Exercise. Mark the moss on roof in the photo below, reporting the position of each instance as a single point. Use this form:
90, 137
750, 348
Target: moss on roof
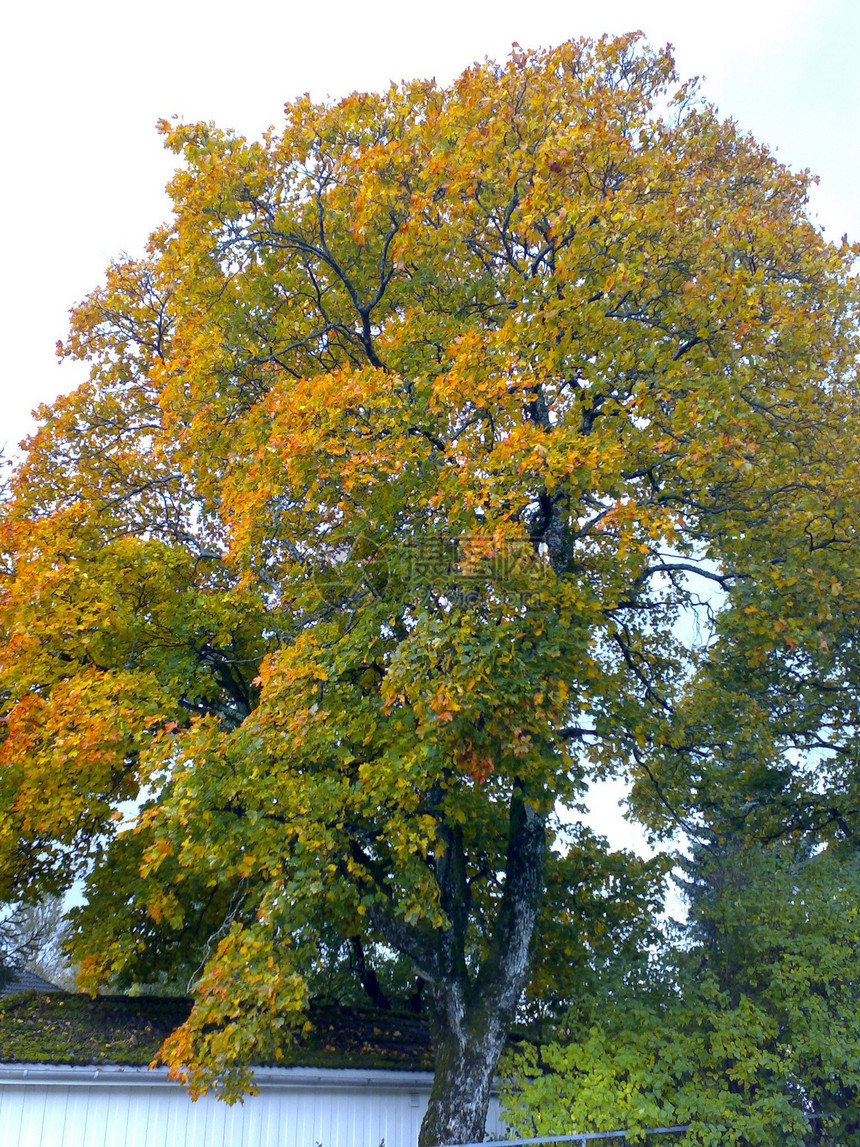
61, 1028
58, 1027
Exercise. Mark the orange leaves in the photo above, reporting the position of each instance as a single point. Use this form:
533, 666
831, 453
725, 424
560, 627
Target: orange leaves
70, 769
321, 443
74, 747
248, 1007
475, 764
443, 706
155, 855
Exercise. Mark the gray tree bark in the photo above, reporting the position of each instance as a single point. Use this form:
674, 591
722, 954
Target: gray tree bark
472, 1013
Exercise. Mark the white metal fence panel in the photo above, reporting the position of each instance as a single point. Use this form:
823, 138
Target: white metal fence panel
65, 1108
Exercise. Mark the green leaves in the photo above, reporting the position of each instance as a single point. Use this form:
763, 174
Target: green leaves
746, 1034
447, 449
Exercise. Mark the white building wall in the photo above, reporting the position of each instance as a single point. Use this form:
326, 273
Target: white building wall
295, 1107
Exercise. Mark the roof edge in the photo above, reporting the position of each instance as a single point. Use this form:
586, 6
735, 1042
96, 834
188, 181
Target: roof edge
42, 1074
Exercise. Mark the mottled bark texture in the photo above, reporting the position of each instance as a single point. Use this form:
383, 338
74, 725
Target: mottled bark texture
472, 1009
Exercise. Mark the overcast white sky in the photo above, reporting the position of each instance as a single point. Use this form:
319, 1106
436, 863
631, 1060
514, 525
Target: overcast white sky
84, 82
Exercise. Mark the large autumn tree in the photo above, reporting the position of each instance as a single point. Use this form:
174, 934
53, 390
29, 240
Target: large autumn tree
447, 449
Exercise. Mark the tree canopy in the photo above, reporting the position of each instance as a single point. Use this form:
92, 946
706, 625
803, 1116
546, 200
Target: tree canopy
447, 449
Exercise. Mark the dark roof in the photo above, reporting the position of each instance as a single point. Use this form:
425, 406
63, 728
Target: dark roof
62, 1028
27, 982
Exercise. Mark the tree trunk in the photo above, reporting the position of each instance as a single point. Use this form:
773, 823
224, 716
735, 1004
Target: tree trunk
471, 1015
465, 1062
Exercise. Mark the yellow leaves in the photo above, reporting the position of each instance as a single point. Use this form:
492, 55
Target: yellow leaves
68, 751
163, 905
155, 855
238, 1018
443, 705
90, 975
294, 670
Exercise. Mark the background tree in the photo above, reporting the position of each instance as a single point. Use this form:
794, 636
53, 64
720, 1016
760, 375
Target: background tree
17, 946
750, 1033
31, 940
412, 455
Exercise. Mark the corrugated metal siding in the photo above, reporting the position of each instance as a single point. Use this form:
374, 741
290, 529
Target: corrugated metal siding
92, 1114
